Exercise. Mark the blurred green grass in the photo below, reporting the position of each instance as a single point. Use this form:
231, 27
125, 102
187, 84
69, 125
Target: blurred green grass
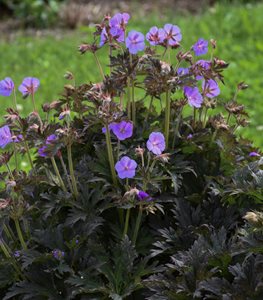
237, 29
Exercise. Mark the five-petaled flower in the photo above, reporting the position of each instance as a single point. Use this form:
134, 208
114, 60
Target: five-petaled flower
155, 36
200, 47
193, 96
122, 130
29, 86
172, 34
210, 88
5, 136
6, 87
117, 26
126, 167
135, 42
156, 143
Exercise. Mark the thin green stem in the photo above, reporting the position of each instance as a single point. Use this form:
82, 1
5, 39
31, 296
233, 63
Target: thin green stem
14, 99
71, 171
62, 185
110, 154
9, 232
28, 154
99, 65
20, 234
132, 95
137, 225
194, 116
228, 118
118, 149
176, 129
33, 101
5, 251
129, 98
66, 173
167, 117
127, 218
9, 171
205, 115
15, 152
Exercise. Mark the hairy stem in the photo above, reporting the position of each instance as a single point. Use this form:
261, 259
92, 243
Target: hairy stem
127, 218
28, 154
58, 174
66, 173
129, 98
20, 234
110, 154
137, 225
99, 66
71, 171
167, 117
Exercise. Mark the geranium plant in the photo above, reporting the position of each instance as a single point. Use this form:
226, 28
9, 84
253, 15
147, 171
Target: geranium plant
139, 187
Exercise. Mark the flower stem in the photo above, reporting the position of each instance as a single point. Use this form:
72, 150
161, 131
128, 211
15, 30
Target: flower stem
16, 160
110, 154
33, 101
132, 95
9, 233
5, 251
99, 66
9, 171
71, 171
14, 99
20, 234
62, 185
129, 98
28, 154
176, 129
167, 117
127, 218
66, 173
137, 225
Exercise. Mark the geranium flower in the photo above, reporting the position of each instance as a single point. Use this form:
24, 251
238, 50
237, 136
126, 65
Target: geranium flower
126, 167
103, 37
6, 87
111, 125
254, 154
183, 71
122, 130
200, 47
201, 66
193, 96
5, 136
29, 86
155, 36
156, 143
42, 150
135, 42
117, 26
172, 34
210, 88
144, 196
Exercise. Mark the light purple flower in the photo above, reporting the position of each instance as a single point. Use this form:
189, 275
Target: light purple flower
172, 34
29, 86
254, 154
6, 87
143, 196
42, 150
183, 71
193, 96
111, 125
190, 136
5, 136
156, 143
17, 254
200, 47
155, 36
51, 138
117, 26
58, 254
210, 88
199, 67
126, 167
122, 130
135, 42
103, 37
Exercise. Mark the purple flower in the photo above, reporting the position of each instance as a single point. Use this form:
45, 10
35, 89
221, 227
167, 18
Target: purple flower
210, 88
6, 87
103, 37
117, 26
199, 67
5, 136
193, 96
123, 130
51, 138
155, 36
200, 47
156, 143
182, 71
253, 154
190, 136
58, 254
17, 254
172, 34
29, 86
143, 196
135, 42
111, 125
42, 151
126, 167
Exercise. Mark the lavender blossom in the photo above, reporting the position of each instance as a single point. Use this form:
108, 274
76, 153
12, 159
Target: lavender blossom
135, 42
5, 136
200, 47
103, 37
58, 254
126, 167
29, 86
210, 88
183, 71
156, 143
172, 34
143, 196
254, 154
193, 96
122, 130
6, 87
155, 36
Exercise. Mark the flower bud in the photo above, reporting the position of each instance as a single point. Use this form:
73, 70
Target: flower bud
213, 43
242, 86
68, 75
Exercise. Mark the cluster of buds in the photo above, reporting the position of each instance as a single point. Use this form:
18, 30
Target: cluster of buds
109, 111
219, 122
187, 56
83, 48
